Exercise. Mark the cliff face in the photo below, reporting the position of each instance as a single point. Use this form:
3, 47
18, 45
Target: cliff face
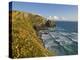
25, 42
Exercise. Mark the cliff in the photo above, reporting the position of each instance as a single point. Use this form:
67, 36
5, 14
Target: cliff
25, 42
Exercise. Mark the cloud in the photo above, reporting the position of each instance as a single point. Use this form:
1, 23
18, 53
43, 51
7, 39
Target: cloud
56, 17
53, 17
60, 18
63, 18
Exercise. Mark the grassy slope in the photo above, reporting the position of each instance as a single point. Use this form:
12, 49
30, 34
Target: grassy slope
25, 42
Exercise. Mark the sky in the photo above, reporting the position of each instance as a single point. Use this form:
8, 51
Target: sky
50, 11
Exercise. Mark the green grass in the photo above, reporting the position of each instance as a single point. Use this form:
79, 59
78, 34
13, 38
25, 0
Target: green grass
25, 42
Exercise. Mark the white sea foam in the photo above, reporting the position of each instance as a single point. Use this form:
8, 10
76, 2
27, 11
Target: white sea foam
54, 40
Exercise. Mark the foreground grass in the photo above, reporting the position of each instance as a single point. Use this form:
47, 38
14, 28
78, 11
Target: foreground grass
25, 42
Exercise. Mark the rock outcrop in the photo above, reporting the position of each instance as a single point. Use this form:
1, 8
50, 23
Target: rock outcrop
25, 42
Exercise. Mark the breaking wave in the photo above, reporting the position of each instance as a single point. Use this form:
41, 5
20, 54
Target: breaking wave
60, 41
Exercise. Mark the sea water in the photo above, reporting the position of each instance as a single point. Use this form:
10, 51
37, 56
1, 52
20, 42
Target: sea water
63, 39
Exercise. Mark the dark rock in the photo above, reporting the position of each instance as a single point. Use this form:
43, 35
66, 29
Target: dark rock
50, 23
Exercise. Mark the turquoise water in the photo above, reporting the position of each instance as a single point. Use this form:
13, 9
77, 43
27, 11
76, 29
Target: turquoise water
63, 40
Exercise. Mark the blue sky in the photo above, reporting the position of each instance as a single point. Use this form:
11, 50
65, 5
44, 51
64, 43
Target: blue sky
56, 11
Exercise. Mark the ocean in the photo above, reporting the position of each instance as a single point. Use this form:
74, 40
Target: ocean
67, 26
63, 39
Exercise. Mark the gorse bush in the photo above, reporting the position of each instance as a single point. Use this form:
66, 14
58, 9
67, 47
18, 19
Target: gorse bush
25, 42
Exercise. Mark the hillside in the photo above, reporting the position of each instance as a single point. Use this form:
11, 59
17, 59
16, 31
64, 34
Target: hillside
25, 42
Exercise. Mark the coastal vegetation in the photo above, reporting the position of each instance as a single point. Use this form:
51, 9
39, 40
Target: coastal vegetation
25, 42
